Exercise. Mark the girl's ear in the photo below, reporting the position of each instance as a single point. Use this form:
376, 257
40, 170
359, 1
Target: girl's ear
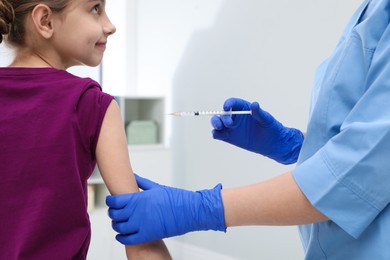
42, 17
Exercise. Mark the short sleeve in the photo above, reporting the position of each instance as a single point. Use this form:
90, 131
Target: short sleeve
91, 110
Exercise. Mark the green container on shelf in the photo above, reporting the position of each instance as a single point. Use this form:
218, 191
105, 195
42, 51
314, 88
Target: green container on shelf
141, 132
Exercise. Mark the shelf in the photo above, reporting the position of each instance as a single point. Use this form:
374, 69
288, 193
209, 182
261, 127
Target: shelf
97, 193
95, 180
144, 119
95, 177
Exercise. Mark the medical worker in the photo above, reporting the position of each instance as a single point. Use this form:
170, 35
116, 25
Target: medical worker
338, 193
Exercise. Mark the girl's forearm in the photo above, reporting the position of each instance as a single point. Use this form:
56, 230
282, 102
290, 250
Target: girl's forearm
149, 251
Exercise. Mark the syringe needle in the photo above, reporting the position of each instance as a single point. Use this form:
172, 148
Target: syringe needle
211, 113
174, 114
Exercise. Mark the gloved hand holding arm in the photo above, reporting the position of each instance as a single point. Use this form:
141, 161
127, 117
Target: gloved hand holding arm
260, 132
161, 211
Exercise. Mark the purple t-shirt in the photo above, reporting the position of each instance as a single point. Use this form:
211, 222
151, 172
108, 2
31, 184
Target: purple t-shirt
49, 127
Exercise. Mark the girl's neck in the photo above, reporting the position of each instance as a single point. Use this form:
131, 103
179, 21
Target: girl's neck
33, 60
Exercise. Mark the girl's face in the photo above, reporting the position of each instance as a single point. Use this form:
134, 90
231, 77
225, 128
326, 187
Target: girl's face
81, 33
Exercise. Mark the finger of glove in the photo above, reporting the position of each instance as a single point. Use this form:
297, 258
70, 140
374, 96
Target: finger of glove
125, 227
129, 239
144, 183
227, 121
118, 201
220, 135
217, 123
118, 214
220, 122
260, 115
235, 104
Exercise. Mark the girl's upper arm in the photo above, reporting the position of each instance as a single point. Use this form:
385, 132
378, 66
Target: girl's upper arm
112, 153
114, 165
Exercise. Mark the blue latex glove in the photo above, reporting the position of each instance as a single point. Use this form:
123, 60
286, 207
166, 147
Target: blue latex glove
161, 211
260, 132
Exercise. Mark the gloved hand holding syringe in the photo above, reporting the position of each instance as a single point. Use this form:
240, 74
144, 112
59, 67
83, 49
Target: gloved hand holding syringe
260, 132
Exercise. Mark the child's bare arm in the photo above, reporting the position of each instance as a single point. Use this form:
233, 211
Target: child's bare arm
114, 165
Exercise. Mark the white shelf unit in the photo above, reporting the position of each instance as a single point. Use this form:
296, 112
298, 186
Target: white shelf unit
145, 109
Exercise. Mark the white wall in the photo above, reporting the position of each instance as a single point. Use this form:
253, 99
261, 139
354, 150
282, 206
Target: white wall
6, 55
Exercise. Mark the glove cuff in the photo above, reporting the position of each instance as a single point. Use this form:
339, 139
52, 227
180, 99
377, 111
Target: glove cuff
293, 140
212, 203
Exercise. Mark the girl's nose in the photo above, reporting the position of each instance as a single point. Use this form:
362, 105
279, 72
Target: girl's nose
109, 28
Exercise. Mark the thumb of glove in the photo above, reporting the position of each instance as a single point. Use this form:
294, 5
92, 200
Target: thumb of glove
263, 117
145, 184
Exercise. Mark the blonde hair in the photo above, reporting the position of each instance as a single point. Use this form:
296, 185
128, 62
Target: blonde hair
13, 16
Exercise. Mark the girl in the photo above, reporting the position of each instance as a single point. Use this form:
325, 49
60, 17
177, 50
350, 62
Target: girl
54, 128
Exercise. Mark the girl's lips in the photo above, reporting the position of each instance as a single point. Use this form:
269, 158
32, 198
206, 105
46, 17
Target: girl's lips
101, 45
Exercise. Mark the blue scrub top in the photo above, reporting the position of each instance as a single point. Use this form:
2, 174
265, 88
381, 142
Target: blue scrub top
344, 165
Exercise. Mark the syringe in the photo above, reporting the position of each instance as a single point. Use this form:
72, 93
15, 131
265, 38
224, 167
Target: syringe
211, 113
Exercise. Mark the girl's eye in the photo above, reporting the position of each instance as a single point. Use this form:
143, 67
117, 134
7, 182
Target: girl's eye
96, 9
